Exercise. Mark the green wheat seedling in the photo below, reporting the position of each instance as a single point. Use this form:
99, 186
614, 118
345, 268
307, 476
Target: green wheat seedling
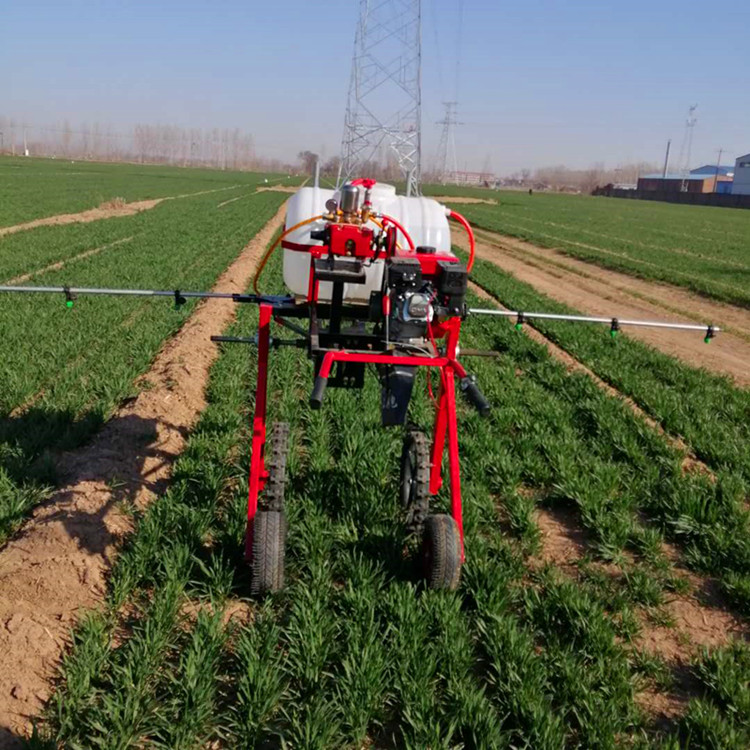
354, 653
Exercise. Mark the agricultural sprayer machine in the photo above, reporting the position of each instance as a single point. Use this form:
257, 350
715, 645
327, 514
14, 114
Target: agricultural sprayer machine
372, 281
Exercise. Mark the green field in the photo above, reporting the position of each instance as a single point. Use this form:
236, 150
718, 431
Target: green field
705, 249
65, 370
35, 188
355, 653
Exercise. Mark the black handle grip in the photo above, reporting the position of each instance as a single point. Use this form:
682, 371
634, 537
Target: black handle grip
318, 391
474, 396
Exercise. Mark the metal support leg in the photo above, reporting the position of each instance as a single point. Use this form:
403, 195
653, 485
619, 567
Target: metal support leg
453, 460
438, 441
258, 473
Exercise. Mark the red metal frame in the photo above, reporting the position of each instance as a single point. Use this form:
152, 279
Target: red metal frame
350, 239
445, 419
258, 473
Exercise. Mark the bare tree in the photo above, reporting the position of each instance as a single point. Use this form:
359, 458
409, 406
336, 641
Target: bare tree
331, 167
307, 159
168, 144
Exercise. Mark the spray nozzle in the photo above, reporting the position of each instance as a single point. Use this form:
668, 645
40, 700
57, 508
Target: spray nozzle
69, 297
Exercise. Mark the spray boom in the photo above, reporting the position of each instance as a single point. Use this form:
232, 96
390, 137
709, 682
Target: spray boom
180, 297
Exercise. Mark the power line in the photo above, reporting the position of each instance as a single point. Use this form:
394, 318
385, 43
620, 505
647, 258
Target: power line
459, 46
437, 49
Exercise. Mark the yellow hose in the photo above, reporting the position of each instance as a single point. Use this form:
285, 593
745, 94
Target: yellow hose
270, 250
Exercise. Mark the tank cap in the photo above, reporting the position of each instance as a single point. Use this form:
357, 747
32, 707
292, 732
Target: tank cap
427, 250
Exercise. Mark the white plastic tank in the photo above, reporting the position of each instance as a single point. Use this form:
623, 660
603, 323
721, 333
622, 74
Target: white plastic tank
425, 220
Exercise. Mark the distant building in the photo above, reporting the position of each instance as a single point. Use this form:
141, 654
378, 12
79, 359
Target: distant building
711, 169
741, 184
481, 179
672, 183
724, 175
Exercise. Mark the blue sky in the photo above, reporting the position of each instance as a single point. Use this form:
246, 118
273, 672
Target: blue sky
541, 81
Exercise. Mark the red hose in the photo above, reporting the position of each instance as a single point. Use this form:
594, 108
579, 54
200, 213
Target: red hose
472, 244
398, 226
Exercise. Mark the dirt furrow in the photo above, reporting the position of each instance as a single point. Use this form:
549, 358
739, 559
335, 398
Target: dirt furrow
600, 292
670, 298
291, 189
614, 253
459, 199
60, 264
690, 461
57, 566
232, 200
84, 217
108, 210
697, 619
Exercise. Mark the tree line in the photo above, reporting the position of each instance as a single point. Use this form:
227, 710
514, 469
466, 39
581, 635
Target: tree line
143, 143
574, 180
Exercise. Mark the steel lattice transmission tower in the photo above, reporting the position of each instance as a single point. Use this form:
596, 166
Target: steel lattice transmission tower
447, 164
686, 149
384, 108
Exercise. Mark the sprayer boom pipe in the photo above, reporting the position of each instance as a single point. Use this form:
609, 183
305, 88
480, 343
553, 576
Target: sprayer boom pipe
229, 295
588, 319
126, 292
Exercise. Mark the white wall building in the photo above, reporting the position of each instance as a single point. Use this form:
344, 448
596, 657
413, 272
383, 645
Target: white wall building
741, 184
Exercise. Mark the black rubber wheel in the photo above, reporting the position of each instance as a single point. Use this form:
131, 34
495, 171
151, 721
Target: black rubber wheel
277, 447
415, 480
267, 566
441, 552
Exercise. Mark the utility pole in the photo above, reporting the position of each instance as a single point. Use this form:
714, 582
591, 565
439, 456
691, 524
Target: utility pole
666, 159
718, 167
384, 106
447, 165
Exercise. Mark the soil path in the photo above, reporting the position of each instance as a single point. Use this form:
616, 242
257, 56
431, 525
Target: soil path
462, 199
57, 566
84, 217
280, 189
107, 210
600, 292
